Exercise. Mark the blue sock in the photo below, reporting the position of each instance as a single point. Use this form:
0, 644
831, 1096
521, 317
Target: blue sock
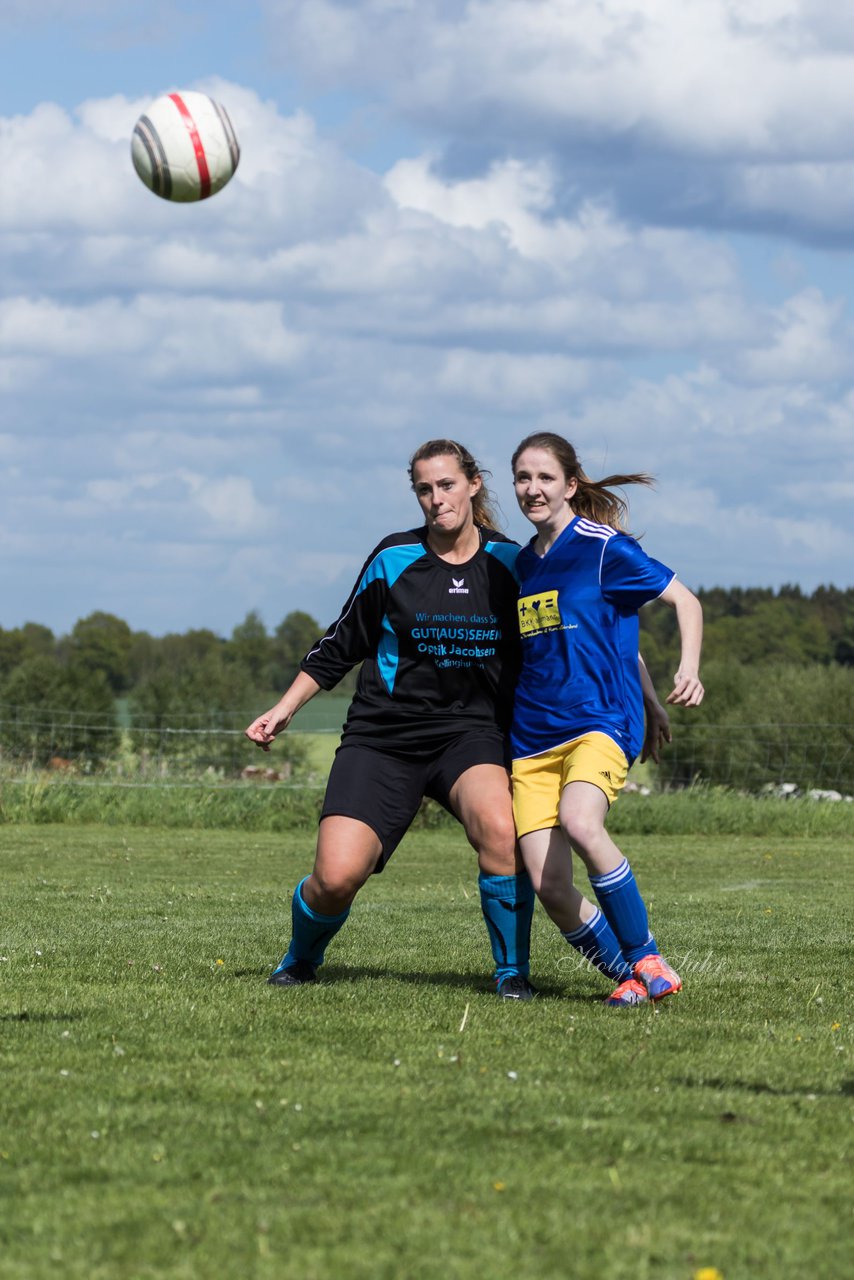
597, 942
312, 932
623, 907
507, 903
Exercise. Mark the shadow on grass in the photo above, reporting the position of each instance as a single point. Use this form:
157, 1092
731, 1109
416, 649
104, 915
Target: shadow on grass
475, 984
24, 1015
759, 1087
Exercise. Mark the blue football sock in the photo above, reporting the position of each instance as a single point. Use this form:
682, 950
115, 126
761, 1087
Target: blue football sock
623, 907
597, 942
507, 903
312, 932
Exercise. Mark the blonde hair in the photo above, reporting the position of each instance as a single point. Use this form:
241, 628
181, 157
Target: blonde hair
592, 499
483, 504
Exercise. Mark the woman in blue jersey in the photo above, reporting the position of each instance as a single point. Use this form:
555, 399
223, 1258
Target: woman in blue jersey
578, 711
432, 620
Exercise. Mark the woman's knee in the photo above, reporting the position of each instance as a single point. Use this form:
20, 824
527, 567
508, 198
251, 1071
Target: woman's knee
330, 893
584, 831
347, 854
335, 882
493, 833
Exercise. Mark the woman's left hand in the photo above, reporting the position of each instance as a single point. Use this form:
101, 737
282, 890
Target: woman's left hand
687, 690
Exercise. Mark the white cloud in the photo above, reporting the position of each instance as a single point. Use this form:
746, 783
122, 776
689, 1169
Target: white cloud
43, 326
230, 503
811, 343
512, 196
210, 407
152, 344
57, 174
508, 383
713, 76
817, 197
716, 112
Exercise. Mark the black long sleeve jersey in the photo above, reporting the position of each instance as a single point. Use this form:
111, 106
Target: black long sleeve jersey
438, 643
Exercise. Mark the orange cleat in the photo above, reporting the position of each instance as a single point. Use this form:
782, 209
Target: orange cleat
657, 977
629, 992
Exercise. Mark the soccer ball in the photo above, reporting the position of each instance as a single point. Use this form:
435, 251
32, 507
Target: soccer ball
184, 147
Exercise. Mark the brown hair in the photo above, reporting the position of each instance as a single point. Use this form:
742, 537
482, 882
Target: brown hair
483, 503
592, 499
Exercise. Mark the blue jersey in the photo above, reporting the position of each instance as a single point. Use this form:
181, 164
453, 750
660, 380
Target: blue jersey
578, 621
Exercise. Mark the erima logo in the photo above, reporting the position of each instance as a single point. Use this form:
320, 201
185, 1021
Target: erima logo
458, 589
603, 773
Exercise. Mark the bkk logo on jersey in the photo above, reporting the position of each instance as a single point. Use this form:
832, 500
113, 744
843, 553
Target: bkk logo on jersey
458, 589
539, 613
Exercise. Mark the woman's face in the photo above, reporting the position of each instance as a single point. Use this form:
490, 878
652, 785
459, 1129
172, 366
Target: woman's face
542, 490
444, 494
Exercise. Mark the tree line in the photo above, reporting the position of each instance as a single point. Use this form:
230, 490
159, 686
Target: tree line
782, 656
105, 646
752, 625
778, 667
60, 696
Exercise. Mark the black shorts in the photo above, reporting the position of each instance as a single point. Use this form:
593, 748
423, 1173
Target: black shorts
385, 791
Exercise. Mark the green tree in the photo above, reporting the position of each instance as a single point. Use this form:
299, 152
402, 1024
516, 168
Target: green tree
835, 608
29, 641
766, 723
756, 625
182, 653
173, 652
293, 638
249, 648
193, 718
51, 710
102, 642
142, 656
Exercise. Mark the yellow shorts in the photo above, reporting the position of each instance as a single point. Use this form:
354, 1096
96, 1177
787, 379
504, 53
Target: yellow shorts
538, 781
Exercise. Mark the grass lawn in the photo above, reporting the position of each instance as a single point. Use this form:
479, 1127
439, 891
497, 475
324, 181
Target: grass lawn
166, 1113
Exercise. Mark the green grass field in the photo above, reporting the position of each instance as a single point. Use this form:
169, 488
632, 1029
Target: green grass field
166, 1113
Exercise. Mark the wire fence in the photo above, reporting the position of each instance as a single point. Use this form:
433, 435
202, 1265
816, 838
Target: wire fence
785, 759
781, 758
190, 747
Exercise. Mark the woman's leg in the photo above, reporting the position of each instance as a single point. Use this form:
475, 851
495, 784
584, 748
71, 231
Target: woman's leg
583, 809
480, 798
548, 857
582, 813
347, 853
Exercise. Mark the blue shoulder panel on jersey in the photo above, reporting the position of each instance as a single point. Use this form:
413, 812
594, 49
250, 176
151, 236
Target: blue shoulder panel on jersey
507, 553
389, 565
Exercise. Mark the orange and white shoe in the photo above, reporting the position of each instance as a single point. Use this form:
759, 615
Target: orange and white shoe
629, 992
657, 977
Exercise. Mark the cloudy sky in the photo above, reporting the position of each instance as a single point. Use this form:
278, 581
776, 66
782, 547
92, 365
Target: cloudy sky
630, 221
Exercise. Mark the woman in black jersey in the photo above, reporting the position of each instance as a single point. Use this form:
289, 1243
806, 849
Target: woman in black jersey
432, 620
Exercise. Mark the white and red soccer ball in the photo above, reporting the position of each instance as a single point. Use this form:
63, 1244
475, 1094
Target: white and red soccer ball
184, 147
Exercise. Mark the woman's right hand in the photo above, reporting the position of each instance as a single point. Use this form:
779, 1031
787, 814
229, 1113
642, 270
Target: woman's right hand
265, 729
